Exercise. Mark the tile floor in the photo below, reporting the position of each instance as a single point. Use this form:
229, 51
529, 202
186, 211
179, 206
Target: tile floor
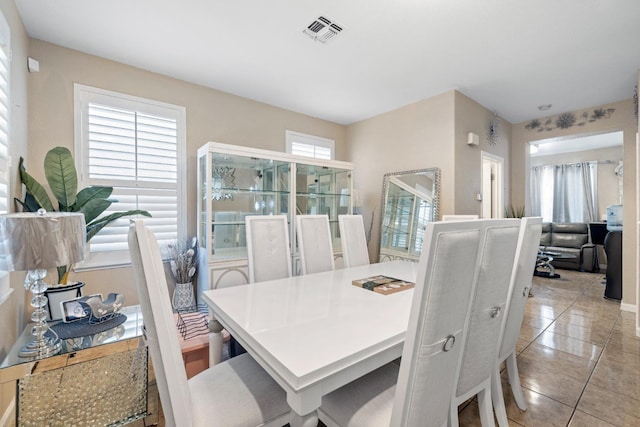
578, 356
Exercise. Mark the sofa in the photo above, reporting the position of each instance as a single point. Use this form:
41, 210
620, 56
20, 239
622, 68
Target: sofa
572, 239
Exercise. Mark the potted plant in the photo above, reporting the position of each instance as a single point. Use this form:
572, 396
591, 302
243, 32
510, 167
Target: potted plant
514, 212
62, 178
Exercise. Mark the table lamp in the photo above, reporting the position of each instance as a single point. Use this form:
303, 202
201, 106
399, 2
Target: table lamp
36, 242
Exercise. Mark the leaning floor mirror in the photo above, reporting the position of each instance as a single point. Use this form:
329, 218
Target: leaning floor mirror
410, 200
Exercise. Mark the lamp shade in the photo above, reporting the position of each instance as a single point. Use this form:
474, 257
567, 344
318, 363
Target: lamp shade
31, 241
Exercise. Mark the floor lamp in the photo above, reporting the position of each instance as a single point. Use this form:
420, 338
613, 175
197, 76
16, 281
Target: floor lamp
36, 242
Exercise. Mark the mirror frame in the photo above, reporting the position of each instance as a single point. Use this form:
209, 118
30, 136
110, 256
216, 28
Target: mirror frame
385, 186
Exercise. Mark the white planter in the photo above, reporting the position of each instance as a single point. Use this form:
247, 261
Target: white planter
59, 293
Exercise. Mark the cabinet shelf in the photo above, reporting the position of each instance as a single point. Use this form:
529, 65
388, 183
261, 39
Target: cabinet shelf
302, 194
249, 191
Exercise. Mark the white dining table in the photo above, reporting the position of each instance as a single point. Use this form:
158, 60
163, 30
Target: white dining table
318, 332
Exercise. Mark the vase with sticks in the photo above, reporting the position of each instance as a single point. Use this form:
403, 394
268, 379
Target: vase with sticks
183, 259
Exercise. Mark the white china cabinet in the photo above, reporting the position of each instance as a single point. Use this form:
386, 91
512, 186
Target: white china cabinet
236, 181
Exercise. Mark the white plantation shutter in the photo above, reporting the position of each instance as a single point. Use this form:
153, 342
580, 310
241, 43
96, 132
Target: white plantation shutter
5, 49
136, 146
301, 144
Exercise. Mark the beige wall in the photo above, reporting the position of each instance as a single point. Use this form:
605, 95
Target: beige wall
621, 120
473, 117
12, 311
415, 136
429, 133
211, 116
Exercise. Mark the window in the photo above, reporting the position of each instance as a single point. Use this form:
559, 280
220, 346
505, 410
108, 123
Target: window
565, 192
5, 49
137, 146
302, 144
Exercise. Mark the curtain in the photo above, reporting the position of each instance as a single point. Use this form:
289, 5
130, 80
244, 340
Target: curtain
589, 175
565, 192
535, 191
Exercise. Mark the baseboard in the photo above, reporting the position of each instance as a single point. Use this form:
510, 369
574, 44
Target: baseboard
628, 307
9, 413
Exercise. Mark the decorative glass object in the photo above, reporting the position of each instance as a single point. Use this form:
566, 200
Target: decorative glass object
183, 296
493, 131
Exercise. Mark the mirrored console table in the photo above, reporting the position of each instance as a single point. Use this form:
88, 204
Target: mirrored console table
99, 379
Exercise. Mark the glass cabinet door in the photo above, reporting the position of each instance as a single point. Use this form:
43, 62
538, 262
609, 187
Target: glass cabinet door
242, 186
323, 190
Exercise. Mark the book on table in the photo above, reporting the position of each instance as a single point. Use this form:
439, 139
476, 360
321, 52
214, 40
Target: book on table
383, 284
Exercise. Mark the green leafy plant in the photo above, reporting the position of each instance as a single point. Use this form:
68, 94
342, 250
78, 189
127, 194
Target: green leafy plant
514, 212
62, 177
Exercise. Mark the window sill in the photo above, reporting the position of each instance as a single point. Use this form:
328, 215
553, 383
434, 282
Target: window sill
95, 263
91, 266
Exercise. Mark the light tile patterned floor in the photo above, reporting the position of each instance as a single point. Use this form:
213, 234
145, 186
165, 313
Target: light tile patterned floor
579, 358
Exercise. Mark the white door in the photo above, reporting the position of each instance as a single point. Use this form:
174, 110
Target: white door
492, 186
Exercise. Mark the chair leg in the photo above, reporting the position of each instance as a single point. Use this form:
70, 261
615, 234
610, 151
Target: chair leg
514, 380
497, 398
484, 405
309, 420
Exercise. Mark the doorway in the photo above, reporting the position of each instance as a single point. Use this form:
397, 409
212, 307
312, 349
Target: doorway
603, 149
492, 185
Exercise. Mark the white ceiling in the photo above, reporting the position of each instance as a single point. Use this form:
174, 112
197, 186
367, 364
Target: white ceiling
509, 56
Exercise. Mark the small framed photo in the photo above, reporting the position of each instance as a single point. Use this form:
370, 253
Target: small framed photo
73, 311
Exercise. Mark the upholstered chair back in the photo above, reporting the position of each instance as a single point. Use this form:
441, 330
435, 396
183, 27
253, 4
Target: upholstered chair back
162, 339
438, 315
314, 243
525, 261
268, 251
354, 240
523, 274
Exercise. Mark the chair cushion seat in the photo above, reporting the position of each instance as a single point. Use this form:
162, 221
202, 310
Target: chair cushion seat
246, 395
365, 402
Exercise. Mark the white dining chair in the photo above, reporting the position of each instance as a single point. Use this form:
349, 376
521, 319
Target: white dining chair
232, 393
459, 217
314, 243
354, 240
268, 251
418, 391
525, 261
268, 256
480, 346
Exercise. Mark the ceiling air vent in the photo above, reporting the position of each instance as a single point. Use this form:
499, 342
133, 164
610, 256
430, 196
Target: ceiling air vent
323, 29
